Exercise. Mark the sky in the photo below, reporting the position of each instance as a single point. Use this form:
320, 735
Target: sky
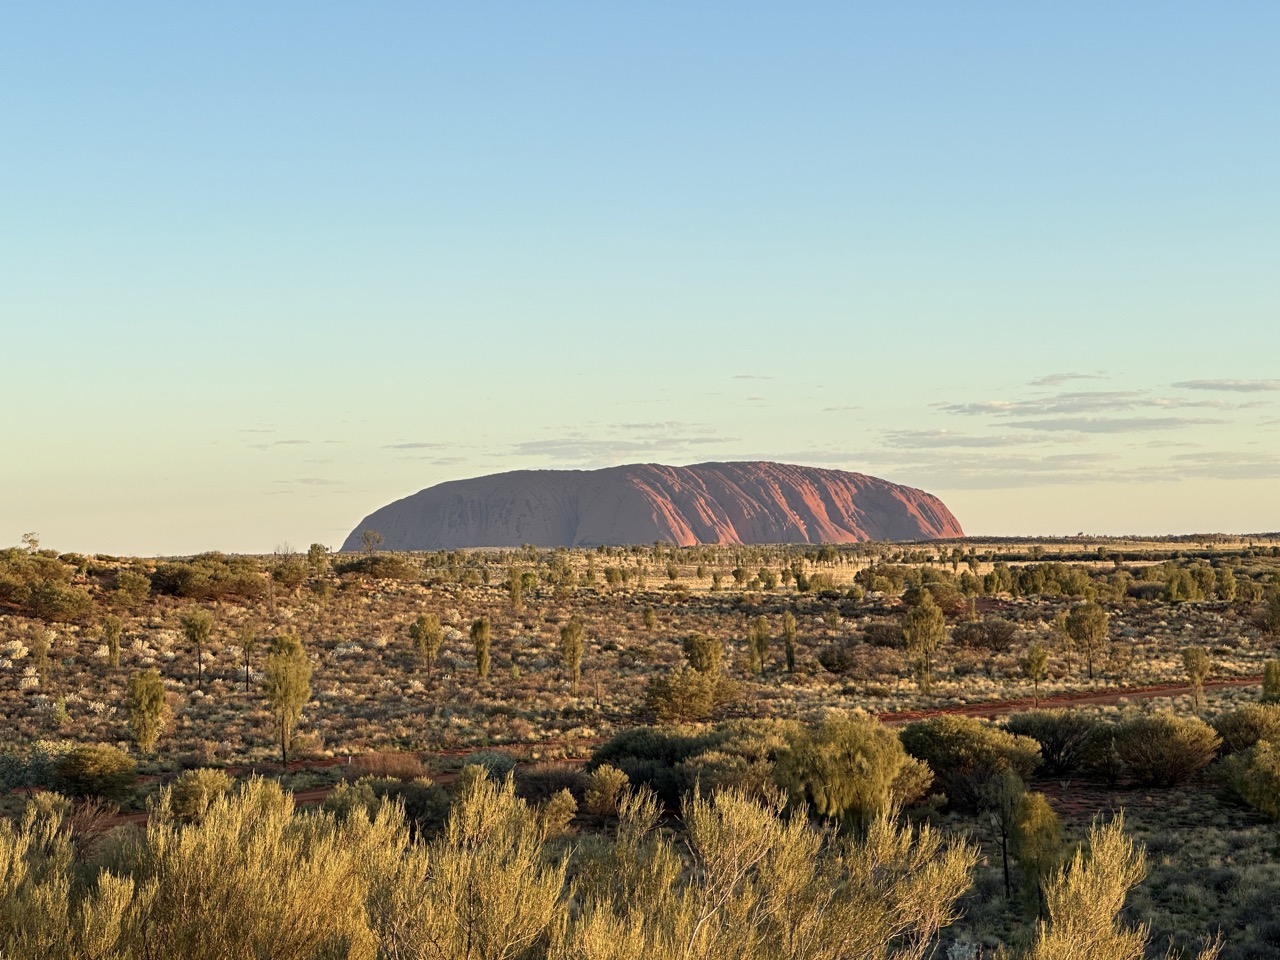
267, 267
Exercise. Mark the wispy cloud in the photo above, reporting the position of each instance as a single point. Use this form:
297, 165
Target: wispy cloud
932, 439
1111, 424
750, 376
840, 409
1236, 386
1057, 379
416, 445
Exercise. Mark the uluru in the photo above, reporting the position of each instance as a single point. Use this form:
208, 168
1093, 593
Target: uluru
736, 502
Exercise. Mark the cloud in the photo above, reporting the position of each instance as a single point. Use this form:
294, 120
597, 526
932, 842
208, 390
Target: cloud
750, 376
1083, 401
840, 409
1056, 379
1236, 386
1112, 424
579, 448
916, 439
414, 446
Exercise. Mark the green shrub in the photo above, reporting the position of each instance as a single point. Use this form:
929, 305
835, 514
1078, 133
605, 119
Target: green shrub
1163, 750
1254, 775
94, 770
1063, 736
604, 789
542, 781
379, 566
1241, 729
211, 576
192, 793
965, 754
847, 769
684, 695
496, 763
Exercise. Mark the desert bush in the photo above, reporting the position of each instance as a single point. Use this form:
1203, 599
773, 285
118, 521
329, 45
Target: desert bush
1084, 899
603, 790
1271, 682
847, 770
496, 763
557, 813
1254, 776
189, 797
1161, 749
965, 754
883, 634
211, 576
130, 589
1241, 729
991, 634
838, 657
683, 695
704, 653
378, 566
387, 766
541, 781
1063, 736
94, 770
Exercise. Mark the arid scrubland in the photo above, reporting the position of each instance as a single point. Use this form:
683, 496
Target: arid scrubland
511, 749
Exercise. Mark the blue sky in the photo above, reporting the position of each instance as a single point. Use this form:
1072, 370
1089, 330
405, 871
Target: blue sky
264, 268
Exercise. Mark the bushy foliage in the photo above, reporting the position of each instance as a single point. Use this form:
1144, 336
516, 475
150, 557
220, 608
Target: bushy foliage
1161, 749
496, 763
189, 797
40, 586
379, 566
683, 695
1064, 737
965, 754
992, 634
1254, 776
93, 770
1240, 729
852, 769
211, 576
603, 790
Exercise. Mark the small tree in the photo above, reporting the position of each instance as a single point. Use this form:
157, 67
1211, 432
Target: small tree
248, 643
650, 620
1036, 666
1002, 798
318, 558
571, 651
480, 640
287, 687
146, 707
1195, 660
704, 653
41, 639
196, 625
1271, 682
1271, 613
515, 587
426, 634
1037, 845
1087, 624
850, 769
789, 640
112, 627
370, 540
923, 630
758, 643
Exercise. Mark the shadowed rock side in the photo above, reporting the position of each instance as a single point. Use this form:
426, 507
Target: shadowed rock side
746, 502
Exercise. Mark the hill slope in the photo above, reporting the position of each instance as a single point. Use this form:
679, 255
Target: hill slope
740, 502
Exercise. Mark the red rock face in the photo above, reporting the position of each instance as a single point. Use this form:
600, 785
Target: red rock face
746, 502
